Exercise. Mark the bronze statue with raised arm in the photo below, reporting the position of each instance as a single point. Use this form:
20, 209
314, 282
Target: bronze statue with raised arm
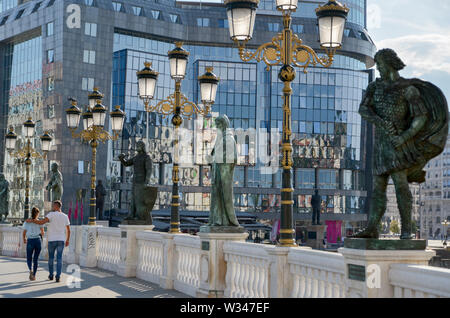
143, 196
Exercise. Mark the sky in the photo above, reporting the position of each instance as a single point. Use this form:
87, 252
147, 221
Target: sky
419, 31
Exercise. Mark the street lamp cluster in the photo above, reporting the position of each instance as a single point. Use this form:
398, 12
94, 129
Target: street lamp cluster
287, 49
177, 105
27, 152
93, 131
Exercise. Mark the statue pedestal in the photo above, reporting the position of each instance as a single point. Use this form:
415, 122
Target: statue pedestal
88, 256
128, 249
315, 235
212, 262
368, 262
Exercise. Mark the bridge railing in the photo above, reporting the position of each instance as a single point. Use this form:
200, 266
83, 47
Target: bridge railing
415, 281
316, 274
108, 248
187, 264
248, 270
183, 262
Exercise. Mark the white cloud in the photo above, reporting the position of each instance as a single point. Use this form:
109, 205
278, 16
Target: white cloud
423, 53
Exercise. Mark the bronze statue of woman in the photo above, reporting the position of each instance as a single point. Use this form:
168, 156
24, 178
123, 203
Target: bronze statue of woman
223, 160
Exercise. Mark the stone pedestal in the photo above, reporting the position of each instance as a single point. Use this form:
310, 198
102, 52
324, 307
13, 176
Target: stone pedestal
367, 269
128, 249
88, 256
212, 262
315, 235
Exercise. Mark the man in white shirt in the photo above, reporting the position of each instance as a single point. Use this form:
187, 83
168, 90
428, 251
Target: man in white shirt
58, 232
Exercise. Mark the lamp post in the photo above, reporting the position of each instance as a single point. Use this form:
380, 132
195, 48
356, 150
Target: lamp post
288, 50
27, 153
93, 132
178, 105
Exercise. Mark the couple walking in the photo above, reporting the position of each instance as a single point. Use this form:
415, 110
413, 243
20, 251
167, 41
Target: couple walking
58, 232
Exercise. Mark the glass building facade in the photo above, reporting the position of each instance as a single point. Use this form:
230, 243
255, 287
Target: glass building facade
23, 99
325, 123
106, 50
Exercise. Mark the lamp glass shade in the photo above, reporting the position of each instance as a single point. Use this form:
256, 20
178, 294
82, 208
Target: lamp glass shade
99, 115
177, 67
331, 19
46, 142
331, 31
117, 119
208, 86
11, 139
87, 119
28, 128
73, 115
287, 4
241, 19
147, 81
208, 92
94, 96
147, 87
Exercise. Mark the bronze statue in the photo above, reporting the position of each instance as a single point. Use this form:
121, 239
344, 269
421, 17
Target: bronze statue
55, 185
411, 126
143, 196
100, 193
4, 189
316, 203
223, 160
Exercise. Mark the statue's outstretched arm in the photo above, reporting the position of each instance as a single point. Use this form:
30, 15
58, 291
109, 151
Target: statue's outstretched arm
126, 162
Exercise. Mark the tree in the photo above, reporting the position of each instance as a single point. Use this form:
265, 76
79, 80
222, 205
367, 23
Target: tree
394, 227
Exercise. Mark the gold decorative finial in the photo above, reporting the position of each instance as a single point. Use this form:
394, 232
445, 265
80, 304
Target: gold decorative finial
11, 129
147, 64
117, 107
209, 69
178, 44
95, 88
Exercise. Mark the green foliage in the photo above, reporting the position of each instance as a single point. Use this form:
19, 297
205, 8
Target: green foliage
394, 227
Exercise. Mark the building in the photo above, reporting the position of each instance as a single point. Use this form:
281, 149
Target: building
392, 212
435, 197
67, 47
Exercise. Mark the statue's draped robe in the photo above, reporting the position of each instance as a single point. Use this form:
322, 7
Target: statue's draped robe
222, 170
389, 103
56, 185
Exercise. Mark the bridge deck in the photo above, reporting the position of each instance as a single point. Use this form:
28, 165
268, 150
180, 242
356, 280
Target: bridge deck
94, 283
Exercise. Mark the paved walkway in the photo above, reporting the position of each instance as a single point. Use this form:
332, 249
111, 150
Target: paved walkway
94, 283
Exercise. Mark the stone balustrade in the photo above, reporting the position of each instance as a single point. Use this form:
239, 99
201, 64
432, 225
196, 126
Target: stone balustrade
183, 262
248, 269
11, 241
187, 264
418, 281
108, 248
316, 274
150, 256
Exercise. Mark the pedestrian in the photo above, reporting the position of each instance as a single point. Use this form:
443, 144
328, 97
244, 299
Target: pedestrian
32, 234
58, 231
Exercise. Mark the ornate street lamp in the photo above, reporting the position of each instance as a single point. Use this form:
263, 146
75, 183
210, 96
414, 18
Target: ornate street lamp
93, 132
27, 153
177, 105
287, 49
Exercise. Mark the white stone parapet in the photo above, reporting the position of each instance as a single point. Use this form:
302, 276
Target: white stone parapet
418, 281
223, 264
108, 248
